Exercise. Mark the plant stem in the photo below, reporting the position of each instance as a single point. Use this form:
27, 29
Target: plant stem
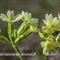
47, 57
18, 52
23, 36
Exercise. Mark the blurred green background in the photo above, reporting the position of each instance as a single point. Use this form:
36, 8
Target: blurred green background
31, 44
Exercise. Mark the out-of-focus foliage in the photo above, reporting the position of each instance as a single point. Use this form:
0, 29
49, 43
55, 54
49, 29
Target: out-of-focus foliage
48, 4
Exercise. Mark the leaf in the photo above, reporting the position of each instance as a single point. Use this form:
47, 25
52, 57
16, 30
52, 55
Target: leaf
4, 39
3, 17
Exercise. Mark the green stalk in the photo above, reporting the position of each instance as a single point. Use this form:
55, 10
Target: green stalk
16, 49
21, 29
18, 52
10, 31
47, 57
9, 28
23, 36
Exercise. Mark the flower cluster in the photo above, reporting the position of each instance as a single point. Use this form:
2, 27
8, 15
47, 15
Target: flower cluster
28, 26
49, 41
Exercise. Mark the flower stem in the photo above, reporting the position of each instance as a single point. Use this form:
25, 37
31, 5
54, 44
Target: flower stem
18, 52
47, 57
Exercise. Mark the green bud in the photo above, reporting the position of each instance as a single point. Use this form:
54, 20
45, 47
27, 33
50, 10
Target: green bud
51, 38
47, 30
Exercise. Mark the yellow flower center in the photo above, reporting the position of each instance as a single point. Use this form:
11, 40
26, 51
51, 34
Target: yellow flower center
48, 45
49, 24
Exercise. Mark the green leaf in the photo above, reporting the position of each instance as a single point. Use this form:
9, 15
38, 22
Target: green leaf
3, 17
4, 39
